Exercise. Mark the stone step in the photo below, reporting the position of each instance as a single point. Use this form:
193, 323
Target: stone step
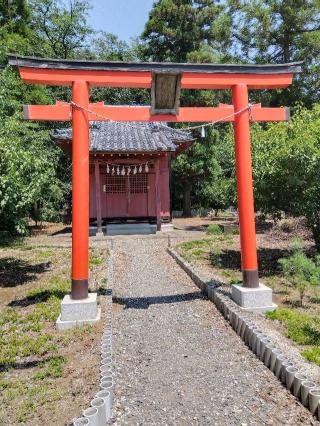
131, 229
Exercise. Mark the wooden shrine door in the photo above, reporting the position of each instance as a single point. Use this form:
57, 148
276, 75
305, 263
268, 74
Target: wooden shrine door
127, 196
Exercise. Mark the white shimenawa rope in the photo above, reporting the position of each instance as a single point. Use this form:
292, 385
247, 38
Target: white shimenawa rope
200, 126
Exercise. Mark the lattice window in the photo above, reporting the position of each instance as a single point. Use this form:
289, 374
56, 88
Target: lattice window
116, 184
138, 183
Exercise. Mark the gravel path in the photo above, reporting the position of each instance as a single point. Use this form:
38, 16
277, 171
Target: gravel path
177, 361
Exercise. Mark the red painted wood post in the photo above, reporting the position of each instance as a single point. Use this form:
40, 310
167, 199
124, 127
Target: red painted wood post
158, 200
249, 263
80, 191
98, 196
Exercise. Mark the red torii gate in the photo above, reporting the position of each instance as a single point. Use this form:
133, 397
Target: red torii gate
81, 75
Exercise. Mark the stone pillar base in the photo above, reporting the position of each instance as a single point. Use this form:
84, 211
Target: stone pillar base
75, 313
253, 299
166, 227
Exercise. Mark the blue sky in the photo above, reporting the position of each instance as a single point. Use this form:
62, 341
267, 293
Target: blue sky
125, 18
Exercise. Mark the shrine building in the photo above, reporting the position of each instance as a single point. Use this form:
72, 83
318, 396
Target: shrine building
130, 173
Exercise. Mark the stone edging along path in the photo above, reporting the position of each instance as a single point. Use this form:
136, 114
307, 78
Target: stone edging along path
304, 389
100, 409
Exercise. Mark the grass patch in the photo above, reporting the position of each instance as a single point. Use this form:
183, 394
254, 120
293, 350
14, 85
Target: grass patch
304, 329
214, 229
190, 245
215, 257
14, 345
7, 241
75, 334
22, 333
312, 354
194, 250
51, 368
95, 261
46, 253
32, 396
208, 248
232, 276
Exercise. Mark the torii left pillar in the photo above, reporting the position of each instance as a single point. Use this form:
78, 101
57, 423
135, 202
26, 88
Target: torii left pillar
80, 191
80, 307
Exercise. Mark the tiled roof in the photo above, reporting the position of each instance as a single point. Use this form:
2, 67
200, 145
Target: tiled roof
124, 136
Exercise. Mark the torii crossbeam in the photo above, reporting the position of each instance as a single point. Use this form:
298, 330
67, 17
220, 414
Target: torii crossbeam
165, 81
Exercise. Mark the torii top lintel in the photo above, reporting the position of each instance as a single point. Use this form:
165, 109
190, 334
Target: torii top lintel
57, 72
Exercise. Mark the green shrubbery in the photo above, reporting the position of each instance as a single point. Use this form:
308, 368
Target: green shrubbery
29, 163
301, 271
286, 165
214, 229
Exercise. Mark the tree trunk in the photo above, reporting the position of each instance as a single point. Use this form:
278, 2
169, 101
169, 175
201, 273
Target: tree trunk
187, 199
301, 299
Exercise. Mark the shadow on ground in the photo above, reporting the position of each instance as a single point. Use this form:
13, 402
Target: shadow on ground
66, 230
15, 271
145, 302
25, 365
268, 259
263, 227
191, 227
40, 296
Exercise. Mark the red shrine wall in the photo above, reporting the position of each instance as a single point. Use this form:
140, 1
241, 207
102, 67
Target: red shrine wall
130, 196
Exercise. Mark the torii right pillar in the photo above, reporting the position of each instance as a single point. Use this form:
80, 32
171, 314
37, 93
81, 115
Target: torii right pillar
252, 294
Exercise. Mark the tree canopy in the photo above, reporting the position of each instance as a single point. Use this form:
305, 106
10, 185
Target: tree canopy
177, 29
279, 31
34, 173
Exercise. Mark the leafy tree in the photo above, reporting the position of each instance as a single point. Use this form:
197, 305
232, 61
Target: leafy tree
286, 166
14, 16
107, 46
14, 28
278, 31
34, 174
225, 188
28, 176
178, 28
195, 171
31, 172
61, 31
286, 162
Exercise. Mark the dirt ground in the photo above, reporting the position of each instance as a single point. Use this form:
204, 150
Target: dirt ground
199, 223
46, 377
223, 256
